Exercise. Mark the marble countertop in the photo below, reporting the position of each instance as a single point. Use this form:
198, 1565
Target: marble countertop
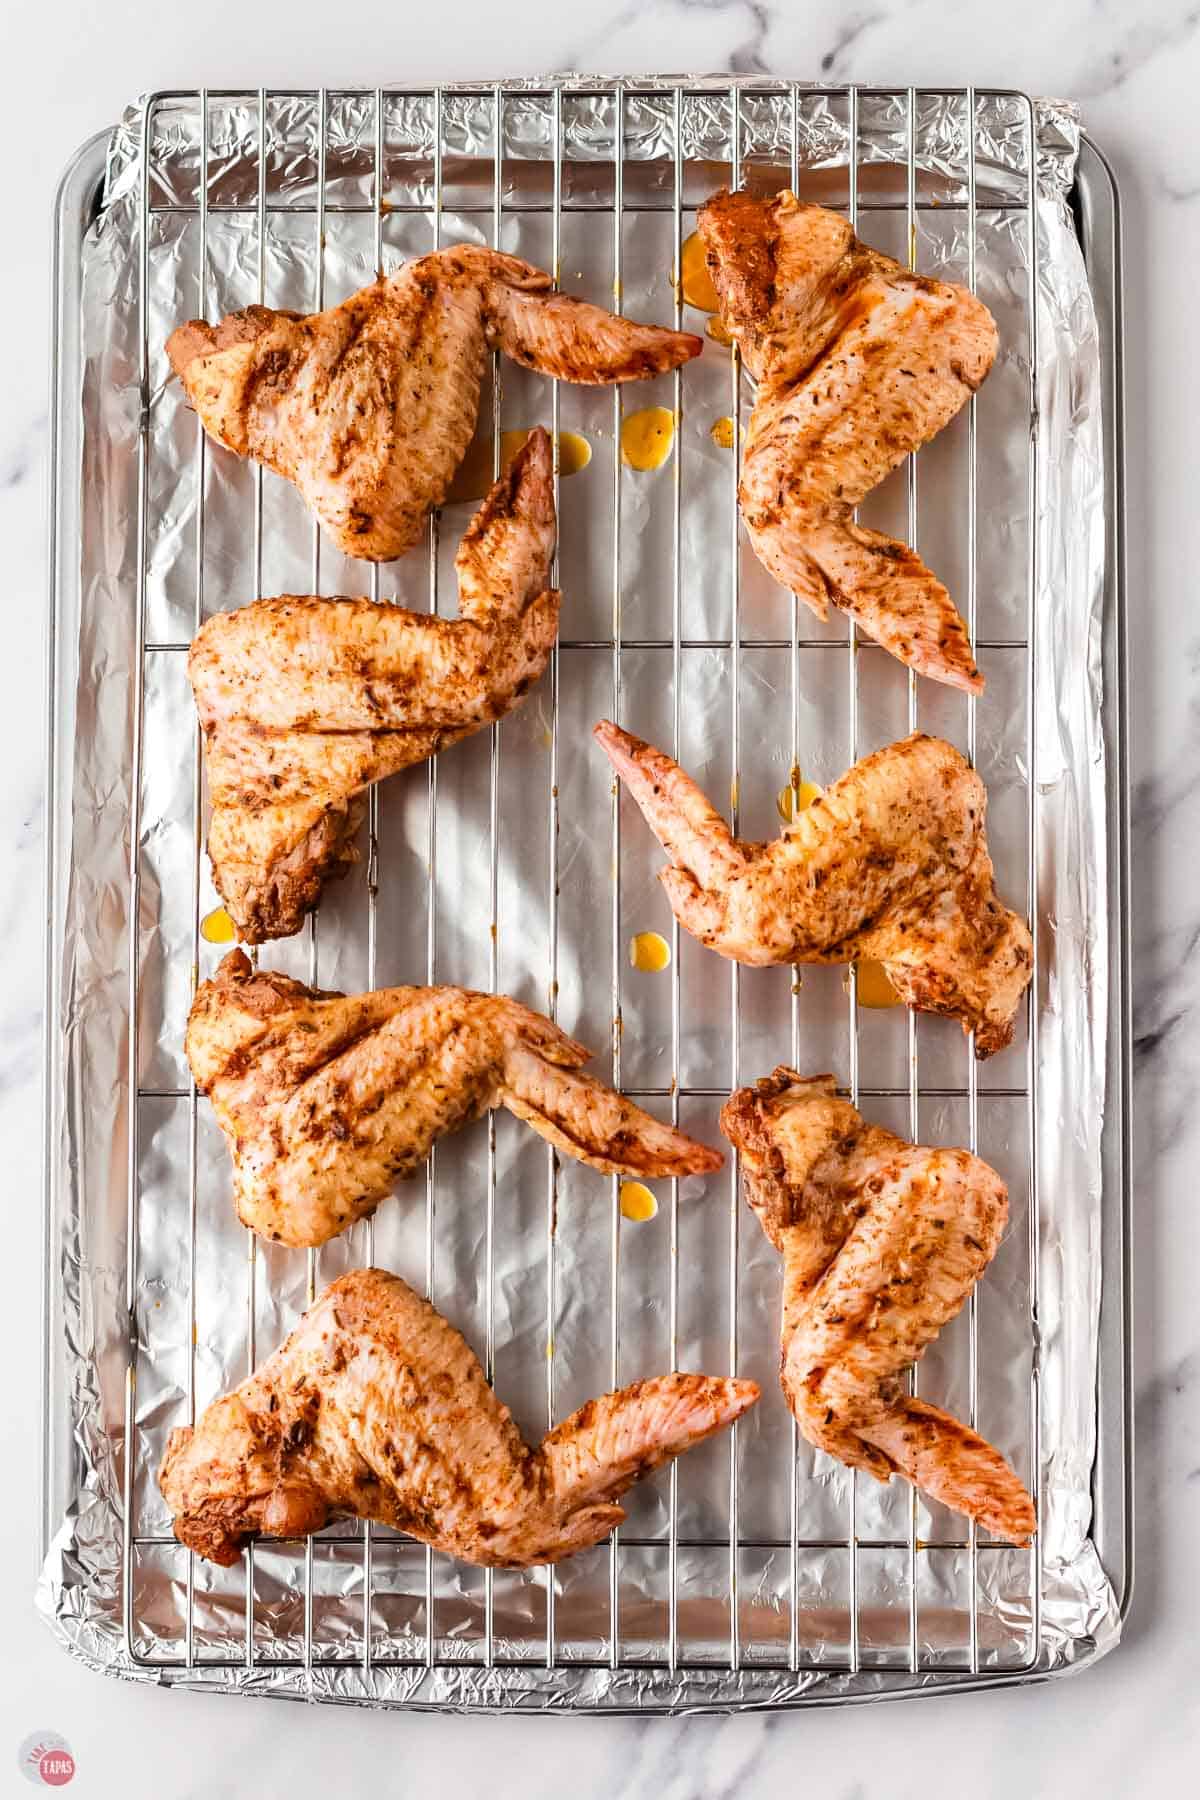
1131, 1726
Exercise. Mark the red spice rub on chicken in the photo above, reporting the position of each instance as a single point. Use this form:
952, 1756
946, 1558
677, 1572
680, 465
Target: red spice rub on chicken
882, 1242
891, 862
369, 406
304, 701
377, 1407
858, 362
329, 1099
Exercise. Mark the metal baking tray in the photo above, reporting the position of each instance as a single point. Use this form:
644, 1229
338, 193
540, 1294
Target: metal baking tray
696, 1603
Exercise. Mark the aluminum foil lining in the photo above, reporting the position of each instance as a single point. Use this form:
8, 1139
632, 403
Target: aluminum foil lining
578, 1297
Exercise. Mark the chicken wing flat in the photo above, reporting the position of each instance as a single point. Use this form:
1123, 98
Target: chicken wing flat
305, 702
858, 362
378, 1408
369, 406
329, 1099
882, 1242
890, 862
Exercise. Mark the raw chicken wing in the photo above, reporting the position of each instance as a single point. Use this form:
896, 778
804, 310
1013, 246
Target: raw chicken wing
376, 1407
369, 406
305, 702
858, 362
890, 862
882, 1242
327, 1099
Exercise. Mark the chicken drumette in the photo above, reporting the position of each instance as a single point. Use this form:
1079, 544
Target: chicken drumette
890, 862
377, 1407
882, 1242
369, 406
858, 362
327, 1099
305, 702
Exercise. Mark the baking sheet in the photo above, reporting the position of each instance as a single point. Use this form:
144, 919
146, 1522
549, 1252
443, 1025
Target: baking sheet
592, 1302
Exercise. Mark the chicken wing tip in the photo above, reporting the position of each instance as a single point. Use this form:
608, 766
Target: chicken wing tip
704, 1160
967, 677
616, 738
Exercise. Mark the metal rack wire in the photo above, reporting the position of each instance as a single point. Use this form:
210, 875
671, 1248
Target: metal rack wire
797, 647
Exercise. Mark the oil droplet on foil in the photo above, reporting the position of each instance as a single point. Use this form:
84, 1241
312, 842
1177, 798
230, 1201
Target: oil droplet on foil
721, 433
647, 437
695, 280
476, 471
796, 798
217, 927
874, 988
574, 452
637, 1202
474, 475
649, 952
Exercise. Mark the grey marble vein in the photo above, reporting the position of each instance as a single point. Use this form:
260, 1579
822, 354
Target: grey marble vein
1126, 40
849, 38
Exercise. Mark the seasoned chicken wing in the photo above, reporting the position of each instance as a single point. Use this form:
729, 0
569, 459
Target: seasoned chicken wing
858, 362
882, 1242
890, 862
305, 702
377, 1407
369, 406
327, 1099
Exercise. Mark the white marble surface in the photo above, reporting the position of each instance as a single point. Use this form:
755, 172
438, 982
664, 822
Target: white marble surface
1132, 1725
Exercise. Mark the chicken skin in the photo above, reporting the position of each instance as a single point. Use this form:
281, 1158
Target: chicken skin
890, 862
377, 1407
305, 702
327, 1099
369, 406
882, 1242
858, 362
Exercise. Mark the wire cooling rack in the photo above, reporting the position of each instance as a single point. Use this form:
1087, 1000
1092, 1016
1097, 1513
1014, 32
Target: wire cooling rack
862, 1580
